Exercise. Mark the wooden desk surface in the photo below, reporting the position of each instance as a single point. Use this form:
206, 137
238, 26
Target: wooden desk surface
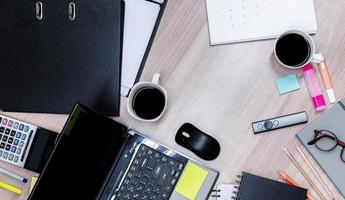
222, 89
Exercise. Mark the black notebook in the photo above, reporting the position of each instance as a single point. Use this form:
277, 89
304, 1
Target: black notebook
252, 187
54, 53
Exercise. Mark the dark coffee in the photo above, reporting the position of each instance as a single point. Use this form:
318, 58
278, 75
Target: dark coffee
148, 103
293, 50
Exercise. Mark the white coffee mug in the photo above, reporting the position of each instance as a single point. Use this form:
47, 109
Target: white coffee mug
140, 86
309, 41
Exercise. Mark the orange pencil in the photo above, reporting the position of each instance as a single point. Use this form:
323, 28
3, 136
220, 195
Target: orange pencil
291, 181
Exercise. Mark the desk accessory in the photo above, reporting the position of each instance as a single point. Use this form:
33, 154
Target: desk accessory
279, 122
287, 84
253, 187
33, 183
138, 36
286, 178
60, 61
147, 100
304, 173
330, 162
11, 188
13, 175
314, 88
238, 20
200, 143
315, 172
326, 79
24, 144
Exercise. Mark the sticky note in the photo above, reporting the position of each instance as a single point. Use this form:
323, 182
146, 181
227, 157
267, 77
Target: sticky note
191, 181
287, 84
33, 183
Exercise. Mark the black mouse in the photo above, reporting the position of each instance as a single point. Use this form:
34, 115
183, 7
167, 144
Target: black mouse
192, 138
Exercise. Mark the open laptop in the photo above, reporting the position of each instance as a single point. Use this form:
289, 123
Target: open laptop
99, 158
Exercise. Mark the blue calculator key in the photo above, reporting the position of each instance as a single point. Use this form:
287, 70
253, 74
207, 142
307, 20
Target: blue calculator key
21, 127
16, 142
19, 134
16, 124
26, 129
23, 136
13, 149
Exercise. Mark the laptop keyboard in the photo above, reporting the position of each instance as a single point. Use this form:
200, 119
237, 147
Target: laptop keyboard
151, 175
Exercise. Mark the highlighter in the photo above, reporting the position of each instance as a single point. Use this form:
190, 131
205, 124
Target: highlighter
314, 88
320, 61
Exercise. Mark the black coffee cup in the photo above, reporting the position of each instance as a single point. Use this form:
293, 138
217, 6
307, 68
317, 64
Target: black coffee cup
294, 49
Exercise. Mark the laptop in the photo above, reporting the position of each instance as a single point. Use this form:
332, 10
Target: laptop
99, 158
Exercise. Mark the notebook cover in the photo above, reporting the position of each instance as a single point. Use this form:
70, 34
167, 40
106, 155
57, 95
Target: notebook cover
254, 187
143, 62
330, 162
47, 65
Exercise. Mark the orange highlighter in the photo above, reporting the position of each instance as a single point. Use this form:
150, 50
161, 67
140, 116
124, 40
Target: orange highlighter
320, 61
291, 181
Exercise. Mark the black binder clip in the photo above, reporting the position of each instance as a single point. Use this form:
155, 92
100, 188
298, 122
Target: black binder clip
71, 11
39, 10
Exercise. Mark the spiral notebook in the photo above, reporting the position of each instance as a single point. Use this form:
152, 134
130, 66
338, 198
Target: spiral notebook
253, 187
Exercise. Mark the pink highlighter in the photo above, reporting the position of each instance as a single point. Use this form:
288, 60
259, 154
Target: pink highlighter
314, 88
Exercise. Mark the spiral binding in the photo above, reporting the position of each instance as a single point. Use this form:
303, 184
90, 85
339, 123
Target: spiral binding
233, 192
240, 183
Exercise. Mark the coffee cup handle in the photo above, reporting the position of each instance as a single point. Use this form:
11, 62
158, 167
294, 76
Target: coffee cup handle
155, 78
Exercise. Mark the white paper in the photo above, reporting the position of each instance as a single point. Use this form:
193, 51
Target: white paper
140, 19
232, 21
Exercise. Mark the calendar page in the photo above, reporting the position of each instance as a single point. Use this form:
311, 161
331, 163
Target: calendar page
233, 21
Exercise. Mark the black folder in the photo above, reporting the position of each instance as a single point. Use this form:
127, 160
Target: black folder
48, 64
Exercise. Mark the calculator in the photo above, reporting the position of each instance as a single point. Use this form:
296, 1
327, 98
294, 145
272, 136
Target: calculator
15, 140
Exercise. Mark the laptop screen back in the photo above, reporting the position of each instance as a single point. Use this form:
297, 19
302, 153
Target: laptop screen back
83, 157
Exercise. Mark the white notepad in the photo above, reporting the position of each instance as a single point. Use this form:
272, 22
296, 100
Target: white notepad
233, 21
140, 20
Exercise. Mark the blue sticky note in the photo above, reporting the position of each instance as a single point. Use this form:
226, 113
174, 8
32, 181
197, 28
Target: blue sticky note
287, 84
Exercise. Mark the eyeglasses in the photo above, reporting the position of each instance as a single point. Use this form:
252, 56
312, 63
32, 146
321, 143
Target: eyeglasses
327, 141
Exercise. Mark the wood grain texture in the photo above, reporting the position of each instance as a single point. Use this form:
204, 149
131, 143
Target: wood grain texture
221, 90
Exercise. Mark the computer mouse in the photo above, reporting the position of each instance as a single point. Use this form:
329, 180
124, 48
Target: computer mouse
201, 144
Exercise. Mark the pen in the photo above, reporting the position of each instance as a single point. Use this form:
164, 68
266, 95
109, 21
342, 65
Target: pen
327, 83
10, 188
291, 181
13, 175
314, 88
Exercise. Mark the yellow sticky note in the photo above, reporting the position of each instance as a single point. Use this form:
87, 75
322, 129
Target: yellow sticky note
191, 181
33, 183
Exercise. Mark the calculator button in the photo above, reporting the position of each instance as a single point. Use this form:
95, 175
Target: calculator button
23, 137
2, 129
5, 155
8, 147
13, 133
10, 140
19, 150
26, 129
4, 121
16, 158
13, 149
10, 123
11, 157
19, 134
16, 142
21, 127
4, 138
0, 136
7, 131
21, 144
2, 145
16, 125
0, 153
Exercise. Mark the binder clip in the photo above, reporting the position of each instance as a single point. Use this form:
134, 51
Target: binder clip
39, 10
71, 11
